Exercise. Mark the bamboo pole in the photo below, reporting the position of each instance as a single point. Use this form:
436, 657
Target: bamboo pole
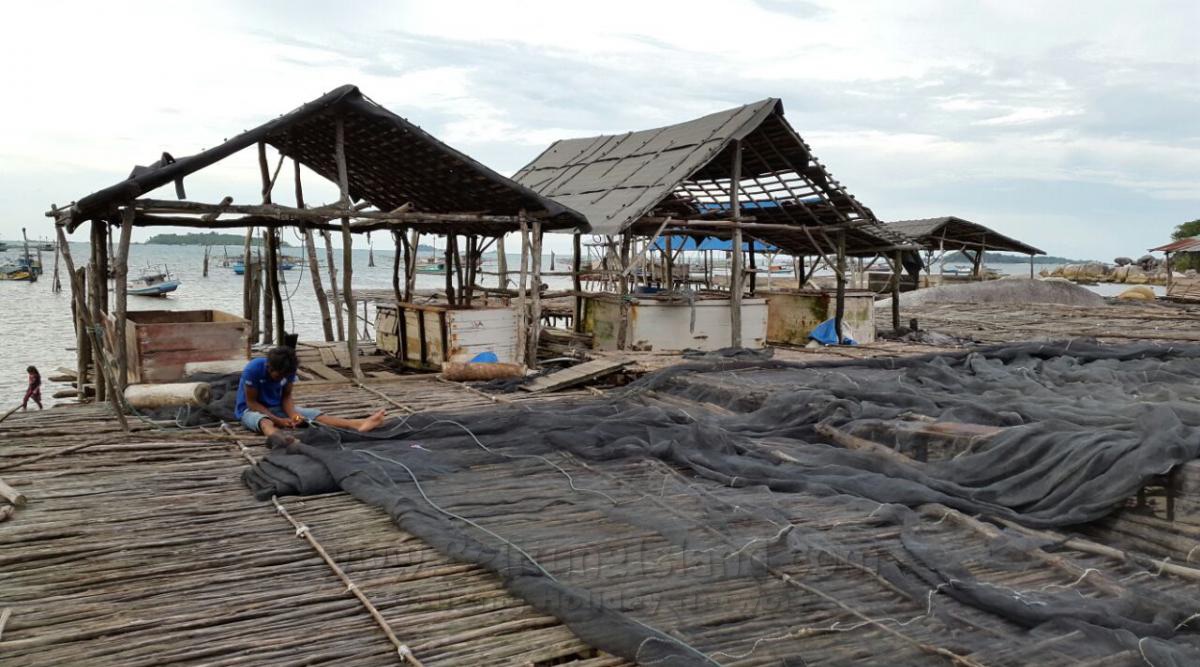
56, 284
448, 266
347, 247
735, 270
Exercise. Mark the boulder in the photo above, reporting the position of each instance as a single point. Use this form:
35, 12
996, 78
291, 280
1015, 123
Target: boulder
1136, 276
1122, 261
1139, 293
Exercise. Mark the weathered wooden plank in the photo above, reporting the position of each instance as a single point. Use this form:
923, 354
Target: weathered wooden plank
577, 374
324, 372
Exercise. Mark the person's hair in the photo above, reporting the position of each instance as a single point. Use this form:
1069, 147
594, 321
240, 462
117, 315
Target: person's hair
282, 360
33, 370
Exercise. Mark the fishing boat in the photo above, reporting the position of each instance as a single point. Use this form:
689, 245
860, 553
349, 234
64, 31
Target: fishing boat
430, 265
45, 246
153, 282
285, 264
22, 268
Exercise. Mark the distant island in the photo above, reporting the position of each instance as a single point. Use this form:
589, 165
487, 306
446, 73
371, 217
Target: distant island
1004, 258
201, 238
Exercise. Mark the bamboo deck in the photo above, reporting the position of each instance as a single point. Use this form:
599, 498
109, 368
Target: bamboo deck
147, 550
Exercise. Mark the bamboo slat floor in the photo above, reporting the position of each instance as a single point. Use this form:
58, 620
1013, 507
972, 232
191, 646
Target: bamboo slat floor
146, 549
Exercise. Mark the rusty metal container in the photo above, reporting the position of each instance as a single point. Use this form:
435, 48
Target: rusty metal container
161, 342
792, 315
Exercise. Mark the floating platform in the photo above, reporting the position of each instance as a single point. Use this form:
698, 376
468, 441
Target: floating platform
661, 324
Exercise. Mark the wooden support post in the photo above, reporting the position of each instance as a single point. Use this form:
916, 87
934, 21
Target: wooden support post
204, 269
370, 252
1031, 265
99, 276
576, 264
754, 269
121, 289
401, 244
410, 265
347, 246
314, 269
502, 263
254, 270
1170, 276
669, 259
276, 291
897, 267
623, 324
83, 342
840, 271
735, 269
88, 324
333, 284
535, 307
268, 305
522, 304
247, 281
448, 262
56, 284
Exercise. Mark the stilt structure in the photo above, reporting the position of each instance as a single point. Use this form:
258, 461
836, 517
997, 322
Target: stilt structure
390, 176
743, 176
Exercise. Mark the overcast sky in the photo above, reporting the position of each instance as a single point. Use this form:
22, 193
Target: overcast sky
1071, 125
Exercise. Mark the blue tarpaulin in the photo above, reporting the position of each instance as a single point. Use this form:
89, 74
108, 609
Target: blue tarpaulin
690, 243
826, 334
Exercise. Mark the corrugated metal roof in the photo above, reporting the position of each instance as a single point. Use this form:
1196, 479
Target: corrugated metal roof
684, 170
1190, 244
954, 233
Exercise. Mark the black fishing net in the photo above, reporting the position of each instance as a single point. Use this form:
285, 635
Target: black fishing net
707, 514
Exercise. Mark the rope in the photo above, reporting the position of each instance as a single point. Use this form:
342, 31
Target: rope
302, 531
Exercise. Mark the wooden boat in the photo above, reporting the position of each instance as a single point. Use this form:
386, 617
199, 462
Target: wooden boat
430, 265
285, 264
25, 269
153, 283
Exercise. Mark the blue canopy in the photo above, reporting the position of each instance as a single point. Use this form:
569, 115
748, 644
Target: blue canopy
709, 243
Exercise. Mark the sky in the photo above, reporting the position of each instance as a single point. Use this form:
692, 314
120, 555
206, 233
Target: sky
1071, 125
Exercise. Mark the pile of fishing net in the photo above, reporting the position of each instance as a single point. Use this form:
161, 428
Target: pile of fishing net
704, 516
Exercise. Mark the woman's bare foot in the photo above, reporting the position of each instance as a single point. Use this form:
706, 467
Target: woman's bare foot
373, 422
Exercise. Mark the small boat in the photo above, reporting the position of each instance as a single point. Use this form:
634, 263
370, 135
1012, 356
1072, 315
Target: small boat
45, 246
239, 267
153, 283
431, 266
22, 268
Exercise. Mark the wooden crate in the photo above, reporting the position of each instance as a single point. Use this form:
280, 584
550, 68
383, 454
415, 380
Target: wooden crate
792, 315
423, 336
160, 343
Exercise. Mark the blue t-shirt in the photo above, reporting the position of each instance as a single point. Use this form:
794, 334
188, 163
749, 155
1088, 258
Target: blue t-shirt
270, 392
